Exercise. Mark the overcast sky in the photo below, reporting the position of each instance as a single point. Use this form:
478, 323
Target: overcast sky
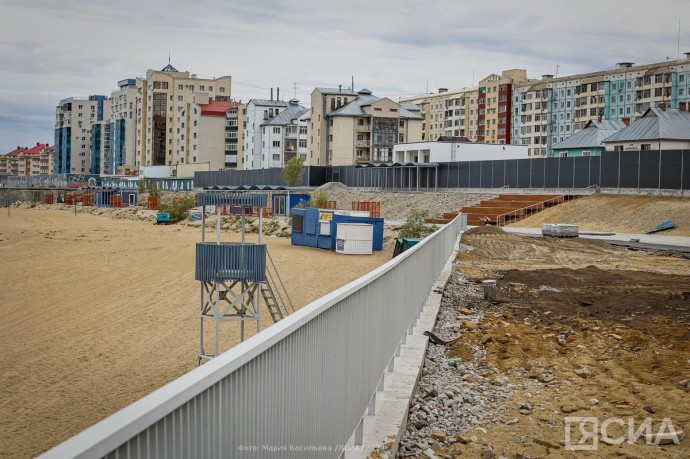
52, 50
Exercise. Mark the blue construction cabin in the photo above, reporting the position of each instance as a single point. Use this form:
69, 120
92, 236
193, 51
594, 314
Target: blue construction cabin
318, 228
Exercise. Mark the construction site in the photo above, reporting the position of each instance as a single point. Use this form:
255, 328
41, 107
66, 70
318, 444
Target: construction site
577, 326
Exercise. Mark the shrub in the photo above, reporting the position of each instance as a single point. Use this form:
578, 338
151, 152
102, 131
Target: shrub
415, 226
178, 207
319, 199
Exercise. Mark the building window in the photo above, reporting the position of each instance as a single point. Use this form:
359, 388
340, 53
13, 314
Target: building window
645, 146
276, 130
586, 153
563, 154
303, 143
276, 143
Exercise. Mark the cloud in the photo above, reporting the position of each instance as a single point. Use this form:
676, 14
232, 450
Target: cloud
76, 48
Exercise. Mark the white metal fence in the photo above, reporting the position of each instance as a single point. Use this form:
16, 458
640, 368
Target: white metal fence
297, 389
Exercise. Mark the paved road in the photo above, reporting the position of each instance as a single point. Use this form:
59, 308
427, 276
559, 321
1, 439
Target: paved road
646, 241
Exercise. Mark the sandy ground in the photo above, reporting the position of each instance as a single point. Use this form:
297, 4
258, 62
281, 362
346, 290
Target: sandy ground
625, 214
582, 329
97, 312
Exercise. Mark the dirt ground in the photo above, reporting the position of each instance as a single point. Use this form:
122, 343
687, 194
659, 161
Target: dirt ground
624, 214
582, 329
97, 312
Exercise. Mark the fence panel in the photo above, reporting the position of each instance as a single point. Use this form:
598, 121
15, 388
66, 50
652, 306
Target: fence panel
670, 169
629, 169
609, 169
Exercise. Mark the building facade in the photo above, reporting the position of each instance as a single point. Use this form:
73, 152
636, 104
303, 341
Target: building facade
123, 126
548, 111
285, 135
203, 137
37, 160
258, 112
358, 128
74, 118
161, 97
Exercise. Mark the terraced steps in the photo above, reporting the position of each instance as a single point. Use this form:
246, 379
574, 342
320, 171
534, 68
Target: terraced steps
506, 209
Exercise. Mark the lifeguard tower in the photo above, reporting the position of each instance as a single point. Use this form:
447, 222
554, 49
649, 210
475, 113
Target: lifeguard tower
235, 276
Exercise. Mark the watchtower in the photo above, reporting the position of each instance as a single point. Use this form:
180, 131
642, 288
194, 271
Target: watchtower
236, 276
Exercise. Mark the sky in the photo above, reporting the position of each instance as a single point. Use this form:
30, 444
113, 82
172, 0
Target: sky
74, 48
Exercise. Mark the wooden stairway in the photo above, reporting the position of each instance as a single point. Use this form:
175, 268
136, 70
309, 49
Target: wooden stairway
506, 209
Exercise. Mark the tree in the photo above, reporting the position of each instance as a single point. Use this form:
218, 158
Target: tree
292, 173
415, 225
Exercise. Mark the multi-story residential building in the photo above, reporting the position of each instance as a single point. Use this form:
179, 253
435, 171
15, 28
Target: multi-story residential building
324, 101
495, 106
74, 118
100, 143
257, 113
241, 131
550, 110
448, 113
123, 126
232, 135
359, 127
37, 160
161, 97
204, 136
285, 135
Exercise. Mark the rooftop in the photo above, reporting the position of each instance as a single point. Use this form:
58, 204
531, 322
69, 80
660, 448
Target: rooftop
656, 124
214, 108
593, 134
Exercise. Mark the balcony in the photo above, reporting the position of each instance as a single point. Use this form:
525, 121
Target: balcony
363, 128
365, 159
363, 143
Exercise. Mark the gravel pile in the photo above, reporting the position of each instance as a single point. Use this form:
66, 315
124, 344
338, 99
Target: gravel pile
451, 404
397, 205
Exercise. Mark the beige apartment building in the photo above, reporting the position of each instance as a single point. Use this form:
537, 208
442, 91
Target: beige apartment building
161, 98
448, 113
202, 137
37, 160
356, 128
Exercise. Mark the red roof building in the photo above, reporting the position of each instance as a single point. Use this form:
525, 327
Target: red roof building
22, 161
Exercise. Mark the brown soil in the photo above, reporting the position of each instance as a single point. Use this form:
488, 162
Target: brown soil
580, 321
97, 312
624, 214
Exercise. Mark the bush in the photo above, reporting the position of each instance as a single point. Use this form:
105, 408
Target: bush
178, 207
415, 226
319, 199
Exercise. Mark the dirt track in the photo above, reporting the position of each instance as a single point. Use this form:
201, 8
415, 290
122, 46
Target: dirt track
96, 313
582, 329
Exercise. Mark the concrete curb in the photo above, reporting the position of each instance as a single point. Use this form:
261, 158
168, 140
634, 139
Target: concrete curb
390, 420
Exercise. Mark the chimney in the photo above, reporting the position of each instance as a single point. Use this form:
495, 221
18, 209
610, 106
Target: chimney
626, 121
662, 106
271, 93
277, 93
682, 106
599, 118
340, 88
687, 55
440, 90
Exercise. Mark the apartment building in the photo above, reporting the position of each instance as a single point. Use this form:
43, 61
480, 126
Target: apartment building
74, 118
495, 106
161, 98
100, 143
285, 135
448, 113
258, 112
323, 102
208, 134
241, 131
22, 161
355, 128
550, 110
123, 126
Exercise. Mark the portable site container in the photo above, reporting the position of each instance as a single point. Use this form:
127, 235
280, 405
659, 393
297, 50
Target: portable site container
318, 228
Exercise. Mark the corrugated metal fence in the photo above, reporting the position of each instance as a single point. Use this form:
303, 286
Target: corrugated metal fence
299, 388
625, 169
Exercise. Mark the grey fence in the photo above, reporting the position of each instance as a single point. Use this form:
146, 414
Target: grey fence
625, 169
299, 388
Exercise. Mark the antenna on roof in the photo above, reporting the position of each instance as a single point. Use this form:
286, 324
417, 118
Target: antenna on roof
678, 39
168, 57
353, 84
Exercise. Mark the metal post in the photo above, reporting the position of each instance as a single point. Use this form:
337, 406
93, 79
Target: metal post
203, 223
218, 209
359, 433
372, 406
242, 219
